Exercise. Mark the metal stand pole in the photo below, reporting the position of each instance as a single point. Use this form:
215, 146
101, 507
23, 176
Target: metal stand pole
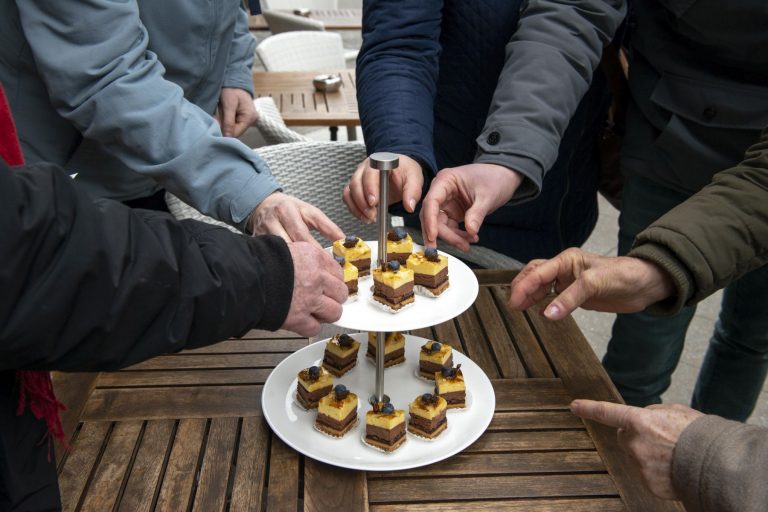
384, 162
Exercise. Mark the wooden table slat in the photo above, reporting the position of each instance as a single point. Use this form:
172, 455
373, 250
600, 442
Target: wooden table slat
498, 336
529, 441
490, 487
248, 487
145, 474
113, 467
72, 389
79, 464
539, 420
333, 488
530, 394
179, 478
477, 346
177, 402
538, 505
203, 377
252, 346
446, 333
283, 478
217, 464
200, 361
525, 340
505, 463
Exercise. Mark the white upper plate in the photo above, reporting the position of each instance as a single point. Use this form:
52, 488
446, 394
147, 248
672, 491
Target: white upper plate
294, 425
364, 315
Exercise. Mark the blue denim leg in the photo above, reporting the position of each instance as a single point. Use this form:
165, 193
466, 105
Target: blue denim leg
644, 350
735, 366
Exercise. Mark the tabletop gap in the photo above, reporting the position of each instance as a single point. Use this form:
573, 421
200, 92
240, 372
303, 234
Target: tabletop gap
129, 467
94, 467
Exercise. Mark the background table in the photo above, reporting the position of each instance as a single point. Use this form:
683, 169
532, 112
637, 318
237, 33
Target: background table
185, 431
333, 19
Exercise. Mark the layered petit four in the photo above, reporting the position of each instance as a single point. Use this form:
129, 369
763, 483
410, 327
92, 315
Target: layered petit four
355, 251
399, 245
337, 412
393, 286
430, 271
433, 357
449, 384
350, 276
385, 427
394, 348
313, 384
428, 416
340, 354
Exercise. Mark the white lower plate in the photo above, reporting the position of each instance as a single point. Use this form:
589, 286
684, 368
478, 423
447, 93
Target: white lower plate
425, 311
293, 424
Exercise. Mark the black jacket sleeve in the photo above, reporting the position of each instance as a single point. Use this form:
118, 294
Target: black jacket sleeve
90, 285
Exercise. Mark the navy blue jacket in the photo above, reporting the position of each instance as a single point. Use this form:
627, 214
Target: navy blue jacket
494, 81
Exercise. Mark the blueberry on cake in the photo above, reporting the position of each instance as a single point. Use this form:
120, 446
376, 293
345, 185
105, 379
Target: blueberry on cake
449, 384
337, 412
355, 251
428, 416
399, 245
393, 286
430, 271
313, 384
385, 427
433, 357
340, 354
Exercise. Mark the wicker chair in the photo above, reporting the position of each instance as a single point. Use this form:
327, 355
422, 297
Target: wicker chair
280, 22
302, 51
317, 172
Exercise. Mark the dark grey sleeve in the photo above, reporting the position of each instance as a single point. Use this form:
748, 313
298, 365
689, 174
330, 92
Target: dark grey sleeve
720, 465
549, 64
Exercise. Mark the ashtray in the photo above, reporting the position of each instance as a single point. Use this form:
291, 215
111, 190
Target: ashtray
302, 11
327, 83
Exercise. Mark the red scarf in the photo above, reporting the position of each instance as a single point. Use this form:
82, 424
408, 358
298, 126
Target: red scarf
35, 387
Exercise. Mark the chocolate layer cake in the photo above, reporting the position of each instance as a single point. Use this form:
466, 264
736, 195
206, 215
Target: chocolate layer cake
394, 348
433, 357
430, 272
393, 287
355, 251
340, 354
385, 427
350, 275
313, 384
449, 384
337, 412
428, 416
399, 245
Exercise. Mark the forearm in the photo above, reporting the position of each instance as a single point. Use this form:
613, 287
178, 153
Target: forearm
719, 465
548, 69
397, 75
97, 286
102, 79
717, 235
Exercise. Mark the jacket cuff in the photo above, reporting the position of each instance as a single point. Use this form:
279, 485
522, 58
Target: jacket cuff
276, 285
681, 278
255, 190
527, 167
520, 141
238, 81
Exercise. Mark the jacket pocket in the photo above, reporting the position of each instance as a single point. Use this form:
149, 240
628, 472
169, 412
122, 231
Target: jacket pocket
713, 104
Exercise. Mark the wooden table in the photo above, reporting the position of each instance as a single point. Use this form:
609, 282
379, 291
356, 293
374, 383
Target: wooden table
185, 432
301, 105
333, 19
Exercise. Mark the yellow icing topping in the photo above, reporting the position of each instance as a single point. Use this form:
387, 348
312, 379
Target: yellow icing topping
337, 409
392, 338
325, 379
335, 347
359, 252
439, 357
350, 272
393, 279
421, 265
388, 421
418, 408
445, 385
401, 246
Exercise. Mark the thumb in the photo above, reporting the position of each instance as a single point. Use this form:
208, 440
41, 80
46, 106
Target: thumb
413, 182
579, 292
474, 218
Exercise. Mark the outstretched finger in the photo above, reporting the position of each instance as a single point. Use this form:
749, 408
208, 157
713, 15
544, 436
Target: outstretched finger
316, 219
571, 298
607, 413
439, 194
534, 279
413, 181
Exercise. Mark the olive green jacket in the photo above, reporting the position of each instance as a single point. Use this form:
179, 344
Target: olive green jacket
716, 236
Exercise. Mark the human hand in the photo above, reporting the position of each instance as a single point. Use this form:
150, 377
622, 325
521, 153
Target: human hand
362, 192
291, 218
318, 289
600, 283
235, 112
465, 194
649, 435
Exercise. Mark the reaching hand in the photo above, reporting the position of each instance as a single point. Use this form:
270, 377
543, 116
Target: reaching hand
235, 112
291, 218
318, 289
465, 194
649, 435
362, 192
601, 283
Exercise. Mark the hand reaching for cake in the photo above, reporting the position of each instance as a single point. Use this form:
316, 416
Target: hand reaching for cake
318, 289
362, 192
291, 218
465, 194
649, 435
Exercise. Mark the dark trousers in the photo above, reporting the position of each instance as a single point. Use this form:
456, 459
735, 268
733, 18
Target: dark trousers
28, 478
644, 349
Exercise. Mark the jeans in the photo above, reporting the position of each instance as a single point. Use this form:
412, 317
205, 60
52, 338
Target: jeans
644, 349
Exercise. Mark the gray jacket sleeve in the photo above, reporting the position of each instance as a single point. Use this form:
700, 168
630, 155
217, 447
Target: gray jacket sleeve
549, 65
239, 72
100, 76
719, 466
